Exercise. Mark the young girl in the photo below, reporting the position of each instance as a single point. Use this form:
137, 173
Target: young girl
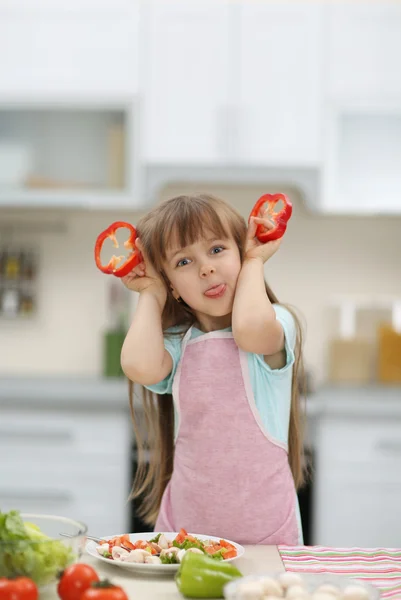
210, 339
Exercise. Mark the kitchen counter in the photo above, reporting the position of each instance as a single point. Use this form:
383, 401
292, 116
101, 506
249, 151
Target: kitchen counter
64, 392
257, 559
350, 401
109, 393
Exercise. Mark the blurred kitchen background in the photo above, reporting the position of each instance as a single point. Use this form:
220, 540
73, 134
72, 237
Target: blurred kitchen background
109, 106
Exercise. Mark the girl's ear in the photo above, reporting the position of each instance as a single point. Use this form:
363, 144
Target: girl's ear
174, 293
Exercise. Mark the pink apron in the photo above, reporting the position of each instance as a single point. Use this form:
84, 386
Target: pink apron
230, 479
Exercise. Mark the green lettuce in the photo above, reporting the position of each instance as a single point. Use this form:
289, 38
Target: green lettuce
25, 550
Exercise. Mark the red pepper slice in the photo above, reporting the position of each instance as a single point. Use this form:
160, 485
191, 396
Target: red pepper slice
130, 262
280, 219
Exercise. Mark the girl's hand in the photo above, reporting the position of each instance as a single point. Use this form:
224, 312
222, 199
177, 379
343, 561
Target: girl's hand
256, 249
145, 277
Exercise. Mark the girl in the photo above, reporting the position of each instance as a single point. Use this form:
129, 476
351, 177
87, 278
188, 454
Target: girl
210, 339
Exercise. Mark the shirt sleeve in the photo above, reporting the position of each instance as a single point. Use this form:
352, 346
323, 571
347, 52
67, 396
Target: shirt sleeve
172, 344
287, 321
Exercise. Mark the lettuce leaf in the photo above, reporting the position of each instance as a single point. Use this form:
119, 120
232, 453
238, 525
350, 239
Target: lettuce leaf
25, 550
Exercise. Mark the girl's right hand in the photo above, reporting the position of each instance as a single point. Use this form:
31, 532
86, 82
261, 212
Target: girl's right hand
145, 277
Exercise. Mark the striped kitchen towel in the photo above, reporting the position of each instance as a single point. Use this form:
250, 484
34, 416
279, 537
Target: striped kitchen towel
379, 566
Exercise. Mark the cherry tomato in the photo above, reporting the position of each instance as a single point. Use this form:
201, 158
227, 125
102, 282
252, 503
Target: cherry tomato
20, 588
75, 580
104, 590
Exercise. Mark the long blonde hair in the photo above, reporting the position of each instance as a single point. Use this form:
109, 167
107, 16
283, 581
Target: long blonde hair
187, 218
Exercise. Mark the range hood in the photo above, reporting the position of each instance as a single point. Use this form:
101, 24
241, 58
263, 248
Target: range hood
305, 179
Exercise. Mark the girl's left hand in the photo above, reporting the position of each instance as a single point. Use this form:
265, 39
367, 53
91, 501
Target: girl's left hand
256, 249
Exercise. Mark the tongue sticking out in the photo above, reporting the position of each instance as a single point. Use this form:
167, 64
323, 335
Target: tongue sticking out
216, 291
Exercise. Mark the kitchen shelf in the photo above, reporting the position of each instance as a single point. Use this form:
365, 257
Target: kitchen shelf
69, 154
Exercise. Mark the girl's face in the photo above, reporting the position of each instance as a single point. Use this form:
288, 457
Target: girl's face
205, 275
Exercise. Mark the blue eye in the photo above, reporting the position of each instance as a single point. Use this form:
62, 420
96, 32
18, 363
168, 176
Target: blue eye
182, 262
217, 249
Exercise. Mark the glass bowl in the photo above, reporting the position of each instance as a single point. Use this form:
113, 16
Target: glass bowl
46, 553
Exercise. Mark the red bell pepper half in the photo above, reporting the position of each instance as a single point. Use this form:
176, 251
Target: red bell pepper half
279, 219
133, 259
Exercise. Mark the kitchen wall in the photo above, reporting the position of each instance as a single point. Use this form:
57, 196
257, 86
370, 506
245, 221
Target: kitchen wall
320, 256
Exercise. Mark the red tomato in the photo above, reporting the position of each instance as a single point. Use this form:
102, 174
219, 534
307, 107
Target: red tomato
104, 591
180, 537
75, 580
20, 588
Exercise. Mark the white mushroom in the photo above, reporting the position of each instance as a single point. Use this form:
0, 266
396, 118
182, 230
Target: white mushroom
328, 588
135, 556
322, 596
181, 554
117, 553
102, 548
250, 590
288, 579
169, 551
271, 587
355, 592
152, 560
155, 547
295, 591
163, 541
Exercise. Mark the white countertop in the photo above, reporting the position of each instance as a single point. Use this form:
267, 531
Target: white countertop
257, 559
76, 393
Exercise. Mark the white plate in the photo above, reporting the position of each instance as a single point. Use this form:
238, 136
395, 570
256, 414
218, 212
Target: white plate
144, 568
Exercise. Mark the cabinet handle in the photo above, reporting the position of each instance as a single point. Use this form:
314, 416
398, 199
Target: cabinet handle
389, 447
43, 436
35, 496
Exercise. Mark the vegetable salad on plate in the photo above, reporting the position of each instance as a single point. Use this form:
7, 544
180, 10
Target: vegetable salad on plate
162, 550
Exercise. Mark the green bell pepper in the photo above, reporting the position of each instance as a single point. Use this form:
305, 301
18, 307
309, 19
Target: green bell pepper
200, 576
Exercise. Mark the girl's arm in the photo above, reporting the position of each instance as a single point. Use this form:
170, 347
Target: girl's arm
144, 358
254, 323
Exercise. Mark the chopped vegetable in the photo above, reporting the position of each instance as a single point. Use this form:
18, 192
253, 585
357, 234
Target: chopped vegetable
27, 551
199, 576
279, 219
169, 551
114, 267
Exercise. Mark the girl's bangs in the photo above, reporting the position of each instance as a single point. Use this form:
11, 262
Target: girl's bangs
188, 226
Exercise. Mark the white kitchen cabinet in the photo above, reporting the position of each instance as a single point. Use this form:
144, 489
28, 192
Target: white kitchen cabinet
185, 80
57, 49
362, 114
363, 49
73, 463
357, 478
280, 82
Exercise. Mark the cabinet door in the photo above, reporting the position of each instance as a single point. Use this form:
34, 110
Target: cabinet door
280, 82
57, 462
357, 483
363, 49
76, 48
185, 80
359, 506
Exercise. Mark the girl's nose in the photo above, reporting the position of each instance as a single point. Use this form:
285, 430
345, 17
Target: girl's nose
207, 270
